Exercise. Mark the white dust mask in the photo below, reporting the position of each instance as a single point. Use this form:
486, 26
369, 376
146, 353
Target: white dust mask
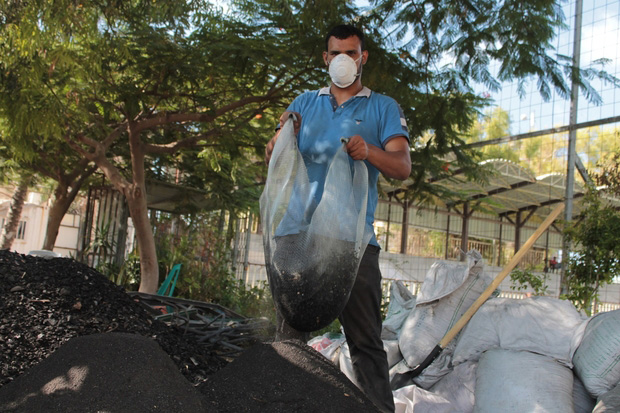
343, 70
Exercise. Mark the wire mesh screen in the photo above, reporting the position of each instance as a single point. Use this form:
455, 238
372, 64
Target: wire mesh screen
541, 132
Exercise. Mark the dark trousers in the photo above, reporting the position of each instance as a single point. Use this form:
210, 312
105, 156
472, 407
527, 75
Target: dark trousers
361, 320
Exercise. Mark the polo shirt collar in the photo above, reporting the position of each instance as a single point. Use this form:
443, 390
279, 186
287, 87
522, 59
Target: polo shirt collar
364, 93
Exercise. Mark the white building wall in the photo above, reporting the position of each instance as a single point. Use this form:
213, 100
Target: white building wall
35, 215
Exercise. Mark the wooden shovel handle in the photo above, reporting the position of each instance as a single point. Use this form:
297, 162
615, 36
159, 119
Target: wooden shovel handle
500, 277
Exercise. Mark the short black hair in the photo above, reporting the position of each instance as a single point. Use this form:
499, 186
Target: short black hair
344, 31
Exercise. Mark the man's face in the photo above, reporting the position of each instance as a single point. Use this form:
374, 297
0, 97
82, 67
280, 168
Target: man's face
351, 46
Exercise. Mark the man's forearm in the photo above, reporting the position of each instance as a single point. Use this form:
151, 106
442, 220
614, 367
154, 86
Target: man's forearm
392, 164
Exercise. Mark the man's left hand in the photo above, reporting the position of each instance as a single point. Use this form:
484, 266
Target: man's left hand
357, 148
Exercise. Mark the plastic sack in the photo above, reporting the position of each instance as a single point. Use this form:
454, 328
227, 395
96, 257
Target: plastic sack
510, 381
542, 325
459, 387
392, 350
608, 402
449, 289
412, 399
312, 250
346, 364
402, 301
596, 359
582, 401
328, 345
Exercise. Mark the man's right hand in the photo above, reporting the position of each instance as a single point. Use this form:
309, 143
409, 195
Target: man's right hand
283, 118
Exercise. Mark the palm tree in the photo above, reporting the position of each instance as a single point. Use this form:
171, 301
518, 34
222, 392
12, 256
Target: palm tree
15, 211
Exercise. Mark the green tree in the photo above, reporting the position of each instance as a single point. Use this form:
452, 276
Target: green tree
597, 146
493, 125
595, 261
517, 35
28, 118
608, 173
68, 172
131, 85
450, 47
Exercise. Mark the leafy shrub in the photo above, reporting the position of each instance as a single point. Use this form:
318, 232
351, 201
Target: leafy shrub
526, 278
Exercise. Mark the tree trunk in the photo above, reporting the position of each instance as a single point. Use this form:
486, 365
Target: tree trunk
56, 214
58, 209
149, 268
135, 195
15, 212
65, 193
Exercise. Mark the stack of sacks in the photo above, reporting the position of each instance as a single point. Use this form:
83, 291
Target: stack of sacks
542, 325
402, 301
524, 350
448, 291
582, 401
597, 360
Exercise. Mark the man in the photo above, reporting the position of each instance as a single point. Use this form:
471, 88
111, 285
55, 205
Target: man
553, 264
379, 136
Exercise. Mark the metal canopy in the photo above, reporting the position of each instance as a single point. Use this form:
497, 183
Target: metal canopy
511, 190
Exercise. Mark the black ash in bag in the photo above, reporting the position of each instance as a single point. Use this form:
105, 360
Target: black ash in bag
312, 249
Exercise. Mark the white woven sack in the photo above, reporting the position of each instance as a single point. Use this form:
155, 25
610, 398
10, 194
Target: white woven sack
411, 399
582, 400
597, 360
448, 291
346, 365
459, 387
608, 402
393, 352
402, 301
510, 381
542, 325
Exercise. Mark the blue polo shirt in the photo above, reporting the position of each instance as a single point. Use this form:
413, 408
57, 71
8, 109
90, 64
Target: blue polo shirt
376, 118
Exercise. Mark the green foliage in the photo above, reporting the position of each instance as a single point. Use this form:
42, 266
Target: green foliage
435, 244
207, 272
608, 174
129, 274
102, 248
532, 148
595, 235
517, 35
335, 328
493, 125
524, 279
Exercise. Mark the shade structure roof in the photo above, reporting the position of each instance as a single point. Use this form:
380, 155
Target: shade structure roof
511, 189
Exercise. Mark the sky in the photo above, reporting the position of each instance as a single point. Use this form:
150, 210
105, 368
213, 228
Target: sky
600, 38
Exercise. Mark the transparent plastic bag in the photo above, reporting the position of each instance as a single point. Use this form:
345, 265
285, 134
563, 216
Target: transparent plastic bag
312, 250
